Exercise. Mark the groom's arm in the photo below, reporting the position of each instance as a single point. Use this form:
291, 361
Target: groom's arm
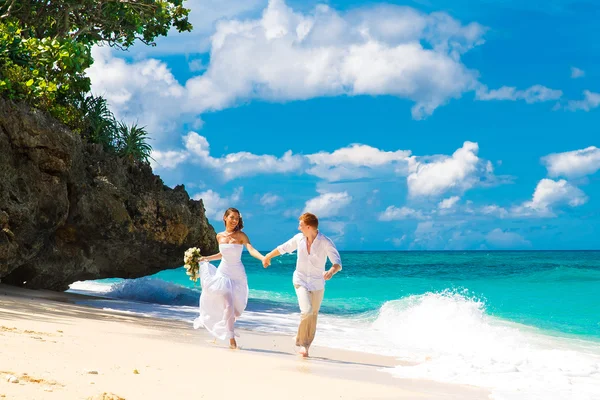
336, 260
267, 259
288, 247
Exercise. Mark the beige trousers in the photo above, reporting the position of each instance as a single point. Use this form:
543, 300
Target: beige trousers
310, 303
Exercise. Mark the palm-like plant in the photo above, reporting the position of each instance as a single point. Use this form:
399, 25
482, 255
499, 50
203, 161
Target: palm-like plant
132, 142
100, 123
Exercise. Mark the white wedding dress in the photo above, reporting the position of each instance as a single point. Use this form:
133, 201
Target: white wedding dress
224, 292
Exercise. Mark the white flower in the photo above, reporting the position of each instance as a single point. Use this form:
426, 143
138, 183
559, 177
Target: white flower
191, 259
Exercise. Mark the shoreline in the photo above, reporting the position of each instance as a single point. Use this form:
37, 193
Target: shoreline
60, 350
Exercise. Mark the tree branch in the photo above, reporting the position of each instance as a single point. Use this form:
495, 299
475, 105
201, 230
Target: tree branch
66, 28
81, 30
7, 13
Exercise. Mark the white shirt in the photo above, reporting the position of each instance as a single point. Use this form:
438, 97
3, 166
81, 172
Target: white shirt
310, 267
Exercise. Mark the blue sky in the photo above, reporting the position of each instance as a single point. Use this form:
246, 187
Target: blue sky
403, 125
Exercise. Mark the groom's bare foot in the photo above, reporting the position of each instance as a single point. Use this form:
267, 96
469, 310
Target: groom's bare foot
232, 344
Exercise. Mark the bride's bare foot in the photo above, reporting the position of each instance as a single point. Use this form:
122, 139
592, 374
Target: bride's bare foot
232, 344
303, 351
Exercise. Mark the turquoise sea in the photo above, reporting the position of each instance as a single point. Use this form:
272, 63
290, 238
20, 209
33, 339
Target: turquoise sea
525, 324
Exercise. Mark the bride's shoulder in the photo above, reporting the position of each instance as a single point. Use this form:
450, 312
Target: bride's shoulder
223, 235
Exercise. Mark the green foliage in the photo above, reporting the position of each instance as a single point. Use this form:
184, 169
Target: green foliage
132, 142
100, 125
45, 49
115, 22
47, 73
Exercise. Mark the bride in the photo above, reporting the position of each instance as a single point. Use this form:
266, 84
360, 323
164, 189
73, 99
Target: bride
225, 289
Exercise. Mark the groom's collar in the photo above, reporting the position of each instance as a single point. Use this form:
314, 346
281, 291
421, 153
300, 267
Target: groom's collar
319, 234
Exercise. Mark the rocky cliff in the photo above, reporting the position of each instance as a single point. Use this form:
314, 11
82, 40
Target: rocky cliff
69, 211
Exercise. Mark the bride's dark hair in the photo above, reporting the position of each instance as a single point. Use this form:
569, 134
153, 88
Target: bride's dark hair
240, 224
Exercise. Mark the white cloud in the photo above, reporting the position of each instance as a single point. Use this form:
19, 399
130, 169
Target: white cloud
204, 16
292, 213
167, 159
328, 204
354, 161
195, 185
504, 239
144, 92
572, 164
229, 166
534, 94
425, 228
235, 165
269, 199
464, 239
393, 213
373, 197
460, 172
458, 234
335, 230
448, 203
197, 65
590, 101
351, 162
426, 175
369, 51
215, 205
397, 242
577, 73
286, 55
437, 235
548, 194
494, 210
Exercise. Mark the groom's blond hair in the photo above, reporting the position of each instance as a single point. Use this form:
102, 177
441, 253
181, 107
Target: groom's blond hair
310, 220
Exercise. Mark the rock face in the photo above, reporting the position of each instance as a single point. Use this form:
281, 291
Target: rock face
69, 211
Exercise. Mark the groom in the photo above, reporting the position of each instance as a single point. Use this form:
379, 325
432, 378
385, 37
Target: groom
313, 248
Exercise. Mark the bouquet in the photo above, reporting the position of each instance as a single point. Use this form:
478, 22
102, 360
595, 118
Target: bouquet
191, 261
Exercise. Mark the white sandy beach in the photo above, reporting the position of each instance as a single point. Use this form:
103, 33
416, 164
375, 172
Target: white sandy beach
59, 350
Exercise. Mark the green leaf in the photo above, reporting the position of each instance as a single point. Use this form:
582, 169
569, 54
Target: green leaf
43, 63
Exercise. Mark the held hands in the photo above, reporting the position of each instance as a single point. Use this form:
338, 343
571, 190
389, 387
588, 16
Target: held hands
266, 262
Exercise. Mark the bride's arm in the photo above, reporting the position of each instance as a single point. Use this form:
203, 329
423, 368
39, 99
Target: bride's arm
253, 252
214, 256
211, 258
